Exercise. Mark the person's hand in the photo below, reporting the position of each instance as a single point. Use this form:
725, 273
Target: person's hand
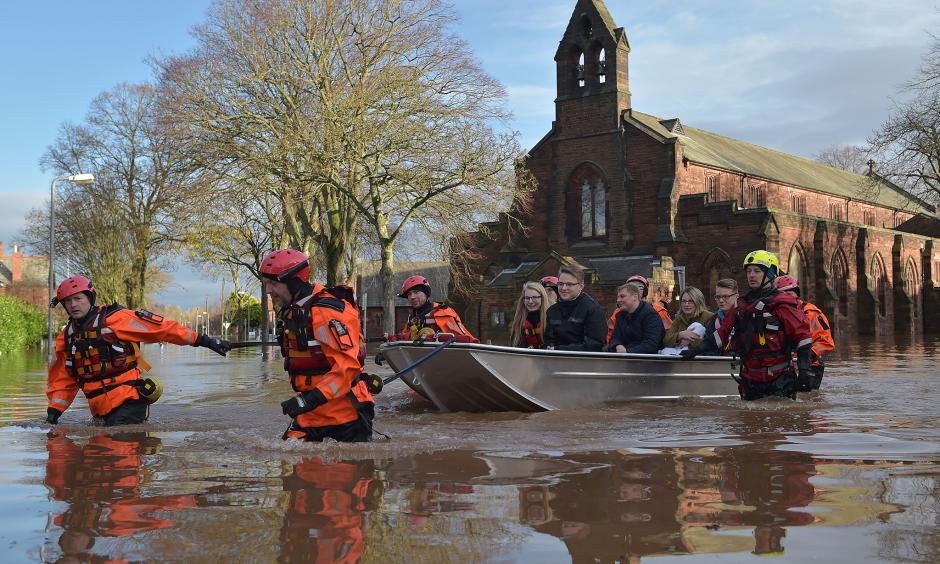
620, 348
804, 380
689, 354
52, 416
379, 358
215, 344
302, 403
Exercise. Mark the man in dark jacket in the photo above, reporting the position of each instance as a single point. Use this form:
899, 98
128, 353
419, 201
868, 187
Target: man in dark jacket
576, 322
638, 327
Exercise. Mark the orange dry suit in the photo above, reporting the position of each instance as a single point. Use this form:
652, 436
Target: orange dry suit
820, 330
764, 330
438, 318
102, 355
663, 314
320, 340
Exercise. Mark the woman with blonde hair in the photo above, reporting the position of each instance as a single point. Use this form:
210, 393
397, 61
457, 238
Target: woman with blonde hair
692, 309
528, 323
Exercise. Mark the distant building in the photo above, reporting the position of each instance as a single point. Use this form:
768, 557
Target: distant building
369, 291
24, 277
622, 192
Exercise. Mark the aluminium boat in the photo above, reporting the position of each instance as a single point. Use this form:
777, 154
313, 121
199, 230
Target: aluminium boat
481, 378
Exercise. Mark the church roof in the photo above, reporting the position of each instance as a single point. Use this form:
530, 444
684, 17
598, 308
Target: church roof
707, 148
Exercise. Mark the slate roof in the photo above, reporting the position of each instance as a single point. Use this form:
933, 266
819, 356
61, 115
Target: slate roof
708, 148
616, 270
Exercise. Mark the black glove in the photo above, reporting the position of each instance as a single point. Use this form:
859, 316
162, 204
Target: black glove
689, 354
379, 358
373, 382
302, 403
804, 380
215, 344
52, 416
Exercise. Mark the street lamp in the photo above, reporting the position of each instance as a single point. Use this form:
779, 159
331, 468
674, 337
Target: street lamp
81, 180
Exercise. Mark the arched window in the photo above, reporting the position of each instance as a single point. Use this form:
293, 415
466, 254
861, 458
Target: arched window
580, 70
711, 188
840, 281
586, 26
796, 267
715, 267
879, 278
912, 286
586, 203
602, 66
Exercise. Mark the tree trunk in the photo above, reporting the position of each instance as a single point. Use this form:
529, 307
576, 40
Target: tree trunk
387, 274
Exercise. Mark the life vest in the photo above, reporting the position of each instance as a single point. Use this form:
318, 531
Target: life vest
760, 338
303, 356
440, 319
532, 334
820, 330
97, 358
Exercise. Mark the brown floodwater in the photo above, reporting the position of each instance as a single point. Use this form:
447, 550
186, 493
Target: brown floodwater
849, 474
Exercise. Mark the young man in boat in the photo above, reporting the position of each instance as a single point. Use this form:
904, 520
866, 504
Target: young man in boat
98, 352
319, 334
726, 296
818, 327
428, 318
764, 329
576, 322
657, 307
638, 327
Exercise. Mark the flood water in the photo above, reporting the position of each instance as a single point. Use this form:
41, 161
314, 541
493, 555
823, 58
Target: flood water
848, 474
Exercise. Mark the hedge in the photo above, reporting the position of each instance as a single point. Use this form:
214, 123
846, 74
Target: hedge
21, 324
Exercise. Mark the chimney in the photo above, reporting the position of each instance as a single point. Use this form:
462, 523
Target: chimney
16, 265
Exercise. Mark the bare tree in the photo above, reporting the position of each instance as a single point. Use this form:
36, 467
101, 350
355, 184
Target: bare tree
129, 218
362, 110
907, 144
847, 157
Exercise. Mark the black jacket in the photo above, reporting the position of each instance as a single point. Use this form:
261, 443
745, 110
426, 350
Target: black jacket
576, 325
640, 332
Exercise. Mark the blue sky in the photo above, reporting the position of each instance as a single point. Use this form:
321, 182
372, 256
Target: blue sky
796, 76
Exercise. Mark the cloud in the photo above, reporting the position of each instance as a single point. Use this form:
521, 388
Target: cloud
14, 204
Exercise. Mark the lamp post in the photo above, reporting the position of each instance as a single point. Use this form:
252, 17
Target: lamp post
81, 180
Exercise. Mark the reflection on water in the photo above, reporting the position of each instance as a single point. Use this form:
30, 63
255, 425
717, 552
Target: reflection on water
848, 474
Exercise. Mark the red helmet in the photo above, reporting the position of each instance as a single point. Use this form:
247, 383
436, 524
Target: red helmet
786, 282
549, 282
285, 264
73, 285
415, 282
642, 280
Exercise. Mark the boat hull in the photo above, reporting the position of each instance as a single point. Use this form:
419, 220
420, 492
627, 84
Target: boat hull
473, 377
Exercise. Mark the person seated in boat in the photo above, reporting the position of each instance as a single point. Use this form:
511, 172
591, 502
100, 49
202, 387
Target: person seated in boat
692, 309
576, 322
685, 342
764, 329
98, 352
428, 318
818, 327
550, 283
662, 311
318, 332
638, 328
529, 321
726, 295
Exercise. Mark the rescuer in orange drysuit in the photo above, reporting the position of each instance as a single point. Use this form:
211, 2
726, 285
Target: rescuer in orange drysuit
819, 328
428, 318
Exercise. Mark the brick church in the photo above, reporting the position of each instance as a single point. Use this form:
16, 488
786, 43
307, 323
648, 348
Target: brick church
621, 192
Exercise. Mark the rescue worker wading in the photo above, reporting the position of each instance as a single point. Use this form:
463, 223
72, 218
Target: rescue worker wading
764, 329
98, 352
428, 318
318, 330
819, 329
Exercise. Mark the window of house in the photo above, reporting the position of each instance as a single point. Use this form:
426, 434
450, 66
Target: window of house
755, 196
602, 66
593, 208
498, 318
898, 220
868, 217
798, 203
836, 210
711, 188
580, 70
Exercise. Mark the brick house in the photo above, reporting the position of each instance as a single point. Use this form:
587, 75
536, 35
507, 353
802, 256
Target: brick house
24, 277
622, 192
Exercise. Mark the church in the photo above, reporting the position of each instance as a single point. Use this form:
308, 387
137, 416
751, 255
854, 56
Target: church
621, 192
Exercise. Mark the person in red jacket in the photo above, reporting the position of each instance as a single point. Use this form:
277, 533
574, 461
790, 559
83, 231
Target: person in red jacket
319, 334
98, 352
428, 318
818, 327
764, 329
